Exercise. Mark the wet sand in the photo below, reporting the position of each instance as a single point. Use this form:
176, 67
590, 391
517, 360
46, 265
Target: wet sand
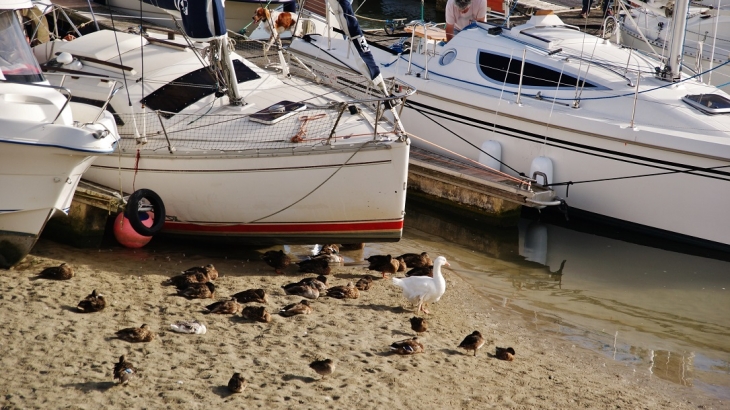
54, 357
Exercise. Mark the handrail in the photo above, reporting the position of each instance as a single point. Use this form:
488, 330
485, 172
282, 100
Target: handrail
415, 24
112, 92
62, 90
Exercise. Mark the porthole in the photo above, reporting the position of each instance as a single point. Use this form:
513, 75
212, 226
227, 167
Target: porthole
448, 57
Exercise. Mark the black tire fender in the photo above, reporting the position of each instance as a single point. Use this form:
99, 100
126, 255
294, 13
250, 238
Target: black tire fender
131, 211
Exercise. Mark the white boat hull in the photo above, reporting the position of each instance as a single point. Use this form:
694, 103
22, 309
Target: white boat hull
312, 196
31, 195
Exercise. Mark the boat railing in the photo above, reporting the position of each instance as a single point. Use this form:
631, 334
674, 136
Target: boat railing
114, 87
63, 90
303, 129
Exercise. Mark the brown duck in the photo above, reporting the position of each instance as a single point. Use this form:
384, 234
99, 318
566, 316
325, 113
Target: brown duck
415, 260
316, 266
474, 341
183, 280
301, 308
344, 292
323, 367
329, 249
277, 260
364, 283
320, 282
63, 271
408, 346
95, 302
237, 383
418, 324
136, 334
198, 291
252, 295
383, 264
305, 291
256, 313
208, 269
124, 371
224, 307
422, 271
505, 353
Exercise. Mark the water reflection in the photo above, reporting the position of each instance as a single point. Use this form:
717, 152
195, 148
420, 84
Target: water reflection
663, 312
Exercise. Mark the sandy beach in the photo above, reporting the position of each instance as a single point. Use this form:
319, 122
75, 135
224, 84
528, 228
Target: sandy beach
55, 357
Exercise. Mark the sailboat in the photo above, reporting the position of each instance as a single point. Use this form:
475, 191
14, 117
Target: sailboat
647, 27
238, 152
46, 141
621, 137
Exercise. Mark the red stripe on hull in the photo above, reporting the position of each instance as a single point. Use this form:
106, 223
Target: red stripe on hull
269, 229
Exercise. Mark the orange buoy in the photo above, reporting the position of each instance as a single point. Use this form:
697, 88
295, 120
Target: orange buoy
126, 235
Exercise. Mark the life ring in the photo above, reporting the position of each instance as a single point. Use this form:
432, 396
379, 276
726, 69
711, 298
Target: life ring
132, 211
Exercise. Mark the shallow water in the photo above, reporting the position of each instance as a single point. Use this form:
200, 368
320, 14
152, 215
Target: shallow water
663, 313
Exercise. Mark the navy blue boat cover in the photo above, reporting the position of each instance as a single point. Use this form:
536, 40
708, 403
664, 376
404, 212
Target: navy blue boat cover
200, 18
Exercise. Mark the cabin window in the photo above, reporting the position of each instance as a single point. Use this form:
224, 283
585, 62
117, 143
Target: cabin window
17, 62
500, 68
708, 103
190, 88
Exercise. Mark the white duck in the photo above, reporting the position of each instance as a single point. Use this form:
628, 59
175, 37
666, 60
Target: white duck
423, 289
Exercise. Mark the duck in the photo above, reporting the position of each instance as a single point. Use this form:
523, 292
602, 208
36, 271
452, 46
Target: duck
323, 367
364, 283
237, 383
415, 260
316, 266
329, 248
423, 290
252, 295
383, 264
198, 291
474, 342
189, 326
332, 258
301, 308
124, 371
95, 302
208, 269
408, 346
422, 271
136, 334
277, 260
505, 353
320, 282
418, 324
63, 271
256, 313
305, 291
224, 307
401, 264
182, 280
348, 291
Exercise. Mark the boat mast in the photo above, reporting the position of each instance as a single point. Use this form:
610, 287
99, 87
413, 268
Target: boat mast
673, 68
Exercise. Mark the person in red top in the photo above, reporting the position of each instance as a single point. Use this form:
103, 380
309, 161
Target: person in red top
459, 13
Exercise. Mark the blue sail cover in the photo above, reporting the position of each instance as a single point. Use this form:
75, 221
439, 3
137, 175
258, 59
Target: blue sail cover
201, 19
353, 29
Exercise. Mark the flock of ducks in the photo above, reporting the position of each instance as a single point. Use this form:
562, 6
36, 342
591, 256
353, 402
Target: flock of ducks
422, 284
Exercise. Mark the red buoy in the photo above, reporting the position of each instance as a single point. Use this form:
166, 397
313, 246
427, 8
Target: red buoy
127, 236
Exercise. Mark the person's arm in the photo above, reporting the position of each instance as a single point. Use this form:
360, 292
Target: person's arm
482, 16
449, 31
